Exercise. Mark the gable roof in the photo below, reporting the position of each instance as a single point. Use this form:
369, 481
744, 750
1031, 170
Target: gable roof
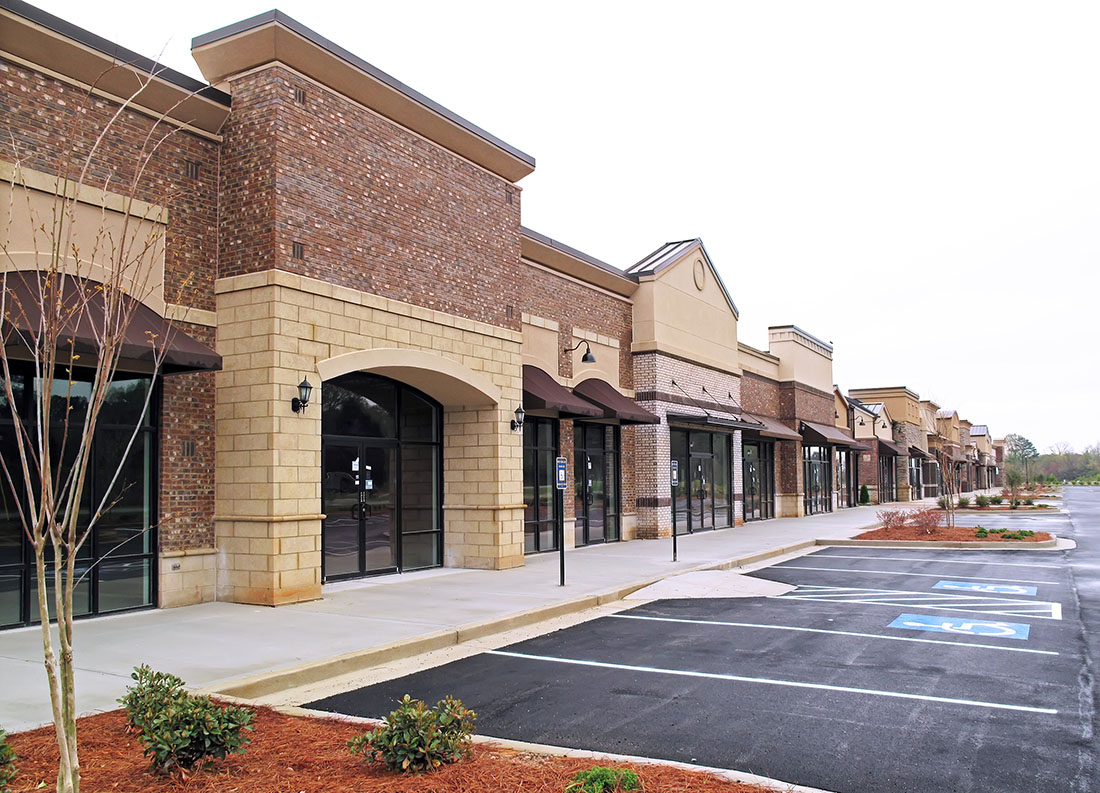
979, 429
672, 252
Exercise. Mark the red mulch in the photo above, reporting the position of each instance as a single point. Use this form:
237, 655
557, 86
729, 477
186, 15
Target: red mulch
941, 533
302, 755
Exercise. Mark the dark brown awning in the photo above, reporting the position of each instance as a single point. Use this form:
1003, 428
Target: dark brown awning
614, 404
824, 434
772, 428
916, 451
885, 447
543, 392
148, 335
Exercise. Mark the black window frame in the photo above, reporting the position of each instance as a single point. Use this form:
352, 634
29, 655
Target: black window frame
556, 520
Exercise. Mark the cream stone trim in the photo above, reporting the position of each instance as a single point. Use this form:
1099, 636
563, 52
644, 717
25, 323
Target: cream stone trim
566, 277
85, 194
314, 286
188, 552
483, 507
269, 518
590, 373
445, 379
580, 334
196, 316
539, 322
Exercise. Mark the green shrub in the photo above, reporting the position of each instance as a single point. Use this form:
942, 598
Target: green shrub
1029, 502
1015, 503
981, 532
941, 502
7, 763
599, 779
415, 738
864, 495
996, 499
180, 730
964, 501
982, 501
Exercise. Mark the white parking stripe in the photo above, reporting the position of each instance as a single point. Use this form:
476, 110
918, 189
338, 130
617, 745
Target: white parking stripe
904, 597
771, 682
836, 633
898, 572
937, 561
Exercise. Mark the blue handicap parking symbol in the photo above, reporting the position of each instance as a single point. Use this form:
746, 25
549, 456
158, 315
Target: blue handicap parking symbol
990, 589
996, 630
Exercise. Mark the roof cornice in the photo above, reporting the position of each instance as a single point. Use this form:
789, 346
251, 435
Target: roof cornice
273, 37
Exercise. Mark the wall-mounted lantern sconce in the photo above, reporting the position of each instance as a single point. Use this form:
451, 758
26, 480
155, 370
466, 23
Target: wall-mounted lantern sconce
836, 414
517, 422
300, 402
588, 357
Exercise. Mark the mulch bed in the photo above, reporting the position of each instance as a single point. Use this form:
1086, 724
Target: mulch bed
943, 534
291, 754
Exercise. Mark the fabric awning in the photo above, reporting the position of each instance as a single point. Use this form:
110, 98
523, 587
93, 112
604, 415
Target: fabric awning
824, 434
614, 404
719, 421
916, 451
885, 447
148, 335
772, 428
543, 392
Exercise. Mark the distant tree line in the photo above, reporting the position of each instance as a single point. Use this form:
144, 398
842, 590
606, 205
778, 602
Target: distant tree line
1060, 463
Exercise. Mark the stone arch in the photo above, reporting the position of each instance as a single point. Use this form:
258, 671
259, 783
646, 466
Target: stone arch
445, 380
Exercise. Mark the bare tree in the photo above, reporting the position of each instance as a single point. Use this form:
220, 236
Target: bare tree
1061, 449
73, 311
946, 461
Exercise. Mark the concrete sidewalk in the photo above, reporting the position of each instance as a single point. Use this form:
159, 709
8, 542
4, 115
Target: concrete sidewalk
216, 645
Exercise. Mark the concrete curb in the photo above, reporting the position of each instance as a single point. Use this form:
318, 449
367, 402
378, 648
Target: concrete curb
268, 683
549, 750
1045, 545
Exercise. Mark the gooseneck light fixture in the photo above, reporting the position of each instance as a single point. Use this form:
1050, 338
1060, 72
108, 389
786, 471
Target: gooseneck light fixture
588, 357
517, 422
300, 402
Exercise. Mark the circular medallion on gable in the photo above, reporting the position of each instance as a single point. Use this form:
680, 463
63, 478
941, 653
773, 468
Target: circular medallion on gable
700, 274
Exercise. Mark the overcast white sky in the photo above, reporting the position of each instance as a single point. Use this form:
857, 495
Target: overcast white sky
918, 183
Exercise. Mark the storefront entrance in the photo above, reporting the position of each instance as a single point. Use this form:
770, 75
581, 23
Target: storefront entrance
701, 498
381, 482
887, 478
847, 478
542, 501
817, 479
759, 478
596, 482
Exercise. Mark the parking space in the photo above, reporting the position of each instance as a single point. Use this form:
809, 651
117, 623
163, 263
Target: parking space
883, 669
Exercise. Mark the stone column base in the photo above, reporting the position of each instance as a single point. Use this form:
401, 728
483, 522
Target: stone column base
269, 560
186, 578
790, 505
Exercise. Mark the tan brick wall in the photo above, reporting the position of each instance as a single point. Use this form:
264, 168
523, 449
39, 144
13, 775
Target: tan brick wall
273, 329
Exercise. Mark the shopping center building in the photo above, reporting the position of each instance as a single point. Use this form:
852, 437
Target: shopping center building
324, 224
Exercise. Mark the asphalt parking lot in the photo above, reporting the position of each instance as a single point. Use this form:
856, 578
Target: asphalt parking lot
882, 670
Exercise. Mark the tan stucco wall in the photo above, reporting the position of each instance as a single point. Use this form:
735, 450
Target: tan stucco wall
904, 405
840, 410
801, 358
273, 329
99, 228
540, 343
758, 362
673, 316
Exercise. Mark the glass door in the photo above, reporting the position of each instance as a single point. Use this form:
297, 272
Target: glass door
596, 482
358, 496
703, 501
752, 481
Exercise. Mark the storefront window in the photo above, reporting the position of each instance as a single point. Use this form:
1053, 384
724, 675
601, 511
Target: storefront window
123, 539
542, 511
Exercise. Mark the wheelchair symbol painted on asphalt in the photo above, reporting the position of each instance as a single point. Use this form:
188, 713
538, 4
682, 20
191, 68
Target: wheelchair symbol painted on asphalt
989, 589
996, 630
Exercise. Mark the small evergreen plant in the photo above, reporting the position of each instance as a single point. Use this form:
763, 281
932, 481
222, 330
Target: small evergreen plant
415, 738
600, 779
864, 495
7, 763
178, 730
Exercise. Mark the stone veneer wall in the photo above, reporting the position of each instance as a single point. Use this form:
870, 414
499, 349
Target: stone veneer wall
273, 328
653, 376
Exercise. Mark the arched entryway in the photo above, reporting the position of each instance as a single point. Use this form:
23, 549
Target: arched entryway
381, 482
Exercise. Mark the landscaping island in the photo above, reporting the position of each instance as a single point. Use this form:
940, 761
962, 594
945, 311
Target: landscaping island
926, 525
291, 754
